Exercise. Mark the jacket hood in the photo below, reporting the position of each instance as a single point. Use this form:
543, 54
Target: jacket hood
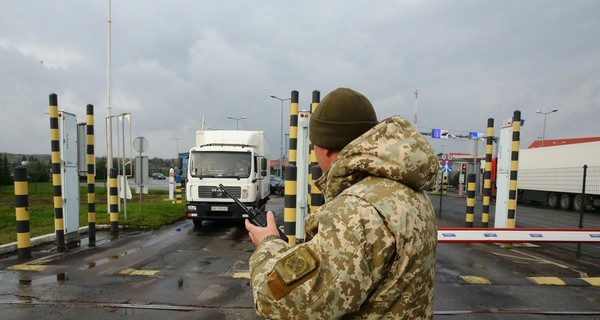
392, 149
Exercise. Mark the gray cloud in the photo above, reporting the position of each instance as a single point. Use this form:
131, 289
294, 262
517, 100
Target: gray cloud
175, 63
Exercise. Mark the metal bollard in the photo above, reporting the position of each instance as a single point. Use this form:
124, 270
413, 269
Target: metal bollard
470, 200
59, 223
291, 173
315, 172
91, 178
514, 165
22, 213
487, 182
113, 203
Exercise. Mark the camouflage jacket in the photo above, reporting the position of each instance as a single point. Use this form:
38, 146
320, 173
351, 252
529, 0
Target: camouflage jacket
370, 249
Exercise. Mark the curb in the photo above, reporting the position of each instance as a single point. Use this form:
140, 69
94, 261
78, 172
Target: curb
48, 238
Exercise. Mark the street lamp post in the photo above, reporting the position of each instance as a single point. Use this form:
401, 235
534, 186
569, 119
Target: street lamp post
545, 113
236, 120
280, 136
177, 141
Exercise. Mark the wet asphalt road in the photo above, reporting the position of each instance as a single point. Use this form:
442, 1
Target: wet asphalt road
186, 272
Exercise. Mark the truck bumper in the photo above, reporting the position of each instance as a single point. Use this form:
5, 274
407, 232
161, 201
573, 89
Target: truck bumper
215, 211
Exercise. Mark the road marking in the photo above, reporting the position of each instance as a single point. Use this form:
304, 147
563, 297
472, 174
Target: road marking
547, 281
46, 259
595, 281
134, 272
541, 260
475, 280
241, 275
27, 267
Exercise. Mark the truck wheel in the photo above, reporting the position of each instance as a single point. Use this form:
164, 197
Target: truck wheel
552, 200
581, 202
577, 203
565, 201
197, 222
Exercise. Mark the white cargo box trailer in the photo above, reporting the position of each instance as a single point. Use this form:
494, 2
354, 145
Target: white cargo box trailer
554, 175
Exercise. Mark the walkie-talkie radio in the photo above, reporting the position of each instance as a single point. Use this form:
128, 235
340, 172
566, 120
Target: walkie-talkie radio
256, 216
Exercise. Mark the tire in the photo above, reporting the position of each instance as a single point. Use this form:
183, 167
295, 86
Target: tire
565, 201
580, 202
553, 200
577, 202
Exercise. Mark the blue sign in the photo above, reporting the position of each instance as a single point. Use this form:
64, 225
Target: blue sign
436, 133
536, 235
449, 235
473, 135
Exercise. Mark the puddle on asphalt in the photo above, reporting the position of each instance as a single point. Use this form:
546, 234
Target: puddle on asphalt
99, 262
24, 279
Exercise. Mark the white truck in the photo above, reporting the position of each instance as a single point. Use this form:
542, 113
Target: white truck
238, 160
554, 175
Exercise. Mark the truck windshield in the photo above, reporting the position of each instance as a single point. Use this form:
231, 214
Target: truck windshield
206, 164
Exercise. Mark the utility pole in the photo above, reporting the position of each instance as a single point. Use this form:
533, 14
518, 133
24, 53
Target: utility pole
281, 149
416, 106
108, 116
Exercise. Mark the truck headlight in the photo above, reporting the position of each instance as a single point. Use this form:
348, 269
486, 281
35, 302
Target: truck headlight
244, 194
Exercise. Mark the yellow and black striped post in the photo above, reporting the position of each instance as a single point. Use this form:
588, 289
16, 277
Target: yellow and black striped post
178, 189
487, 174
22, 213
470, 200
514, 165
292, 156
59, 223
316, 196
291, 172
113, 203
445, 174
289, 210
91, 178
312, 157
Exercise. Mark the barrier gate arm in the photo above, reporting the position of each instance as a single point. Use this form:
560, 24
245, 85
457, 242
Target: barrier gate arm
512, 235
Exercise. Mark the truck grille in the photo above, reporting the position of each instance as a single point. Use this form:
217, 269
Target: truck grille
216, 192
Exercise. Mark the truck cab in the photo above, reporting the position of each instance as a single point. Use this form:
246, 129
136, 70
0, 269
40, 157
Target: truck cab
236, 159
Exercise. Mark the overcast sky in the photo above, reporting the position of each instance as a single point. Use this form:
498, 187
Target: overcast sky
176, 62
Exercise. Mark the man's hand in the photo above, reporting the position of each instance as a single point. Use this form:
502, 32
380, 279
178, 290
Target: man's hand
258, 233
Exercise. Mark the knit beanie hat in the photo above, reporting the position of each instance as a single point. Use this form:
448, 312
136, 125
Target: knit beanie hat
342, 116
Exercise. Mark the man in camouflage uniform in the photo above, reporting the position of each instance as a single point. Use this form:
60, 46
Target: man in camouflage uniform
370, 249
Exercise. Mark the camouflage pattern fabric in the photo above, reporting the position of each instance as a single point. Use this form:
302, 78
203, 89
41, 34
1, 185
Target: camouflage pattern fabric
370, 249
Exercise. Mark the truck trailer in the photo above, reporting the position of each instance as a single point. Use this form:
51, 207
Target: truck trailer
238, 160
554, 175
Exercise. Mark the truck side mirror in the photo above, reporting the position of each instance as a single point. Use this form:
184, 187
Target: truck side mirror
263, 167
